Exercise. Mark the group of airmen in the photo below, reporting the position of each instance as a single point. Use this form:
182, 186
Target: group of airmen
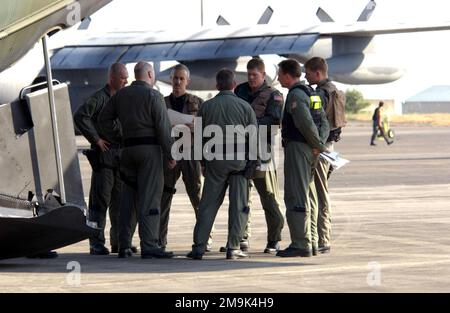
135, 174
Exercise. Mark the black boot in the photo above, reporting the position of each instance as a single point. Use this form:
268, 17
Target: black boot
98, 249
125, 253
294, 252
272, 247
194, 255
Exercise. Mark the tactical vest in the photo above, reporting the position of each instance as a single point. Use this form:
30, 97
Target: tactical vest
289, 130
192, 104
334, 105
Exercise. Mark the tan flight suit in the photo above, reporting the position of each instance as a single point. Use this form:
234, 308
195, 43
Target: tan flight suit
191, 169
320, 197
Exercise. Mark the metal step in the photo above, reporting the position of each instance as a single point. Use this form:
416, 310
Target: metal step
20, 237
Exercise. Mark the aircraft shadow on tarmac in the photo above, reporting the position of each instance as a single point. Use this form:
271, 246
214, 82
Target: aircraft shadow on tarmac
213, 262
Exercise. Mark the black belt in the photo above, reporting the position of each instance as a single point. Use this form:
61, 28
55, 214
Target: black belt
110, 146
139, 141
285, 140
114, 146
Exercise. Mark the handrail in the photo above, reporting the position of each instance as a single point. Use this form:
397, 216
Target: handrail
22, 93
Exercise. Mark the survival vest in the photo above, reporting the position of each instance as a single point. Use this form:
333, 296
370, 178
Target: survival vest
259, 104
192, 104
289, 130
335, 108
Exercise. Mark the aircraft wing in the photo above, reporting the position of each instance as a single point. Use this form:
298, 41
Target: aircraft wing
102, 55
100, 50
23, 23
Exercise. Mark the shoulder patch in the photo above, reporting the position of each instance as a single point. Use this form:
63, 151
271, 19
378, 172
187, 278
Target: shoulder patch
278, 98
294, 105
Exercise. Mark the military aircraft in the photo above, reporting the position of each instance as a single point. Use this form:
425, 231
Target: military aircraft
348, 48
34, 164
42, 203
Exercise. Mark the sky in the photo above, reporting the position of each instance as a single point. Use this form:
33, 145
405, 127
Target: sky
425, 56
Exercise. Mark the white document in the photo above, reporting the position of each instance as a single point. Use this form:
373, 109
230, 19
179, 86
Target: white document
177, 118
266, 167
334, 159
331, 155
340, 162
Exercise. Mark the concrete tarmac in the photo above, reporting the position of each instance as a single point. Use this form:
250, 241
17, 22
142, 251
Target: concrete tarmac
391, 233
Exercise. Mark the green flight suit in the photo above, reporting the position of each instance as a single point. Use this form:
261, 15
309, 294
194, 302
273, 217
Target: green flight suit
106, 185
191, 169
146, 133
299, 163
267, 102
224, 109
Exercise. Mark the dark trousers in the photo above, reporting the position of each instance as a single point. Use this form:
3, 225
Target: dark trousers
376, 128
106, 188
128, 217
142, 170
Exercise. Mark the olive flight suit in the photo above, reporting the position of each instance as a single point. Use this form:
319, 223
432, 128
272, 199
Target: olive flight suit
106, 185
146, 133
267, 102
224, 109
304, 127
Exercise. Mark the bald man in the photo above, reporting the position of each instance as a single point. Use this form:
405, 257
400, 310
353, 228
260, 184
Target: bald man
146, 133
106, 185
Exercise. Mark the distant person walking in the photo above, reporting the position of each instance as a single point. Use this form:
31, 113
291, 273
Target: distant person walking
376, 118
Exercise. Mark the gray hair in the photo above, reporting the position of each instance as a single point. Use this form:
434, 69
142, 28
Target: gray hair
180, 67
